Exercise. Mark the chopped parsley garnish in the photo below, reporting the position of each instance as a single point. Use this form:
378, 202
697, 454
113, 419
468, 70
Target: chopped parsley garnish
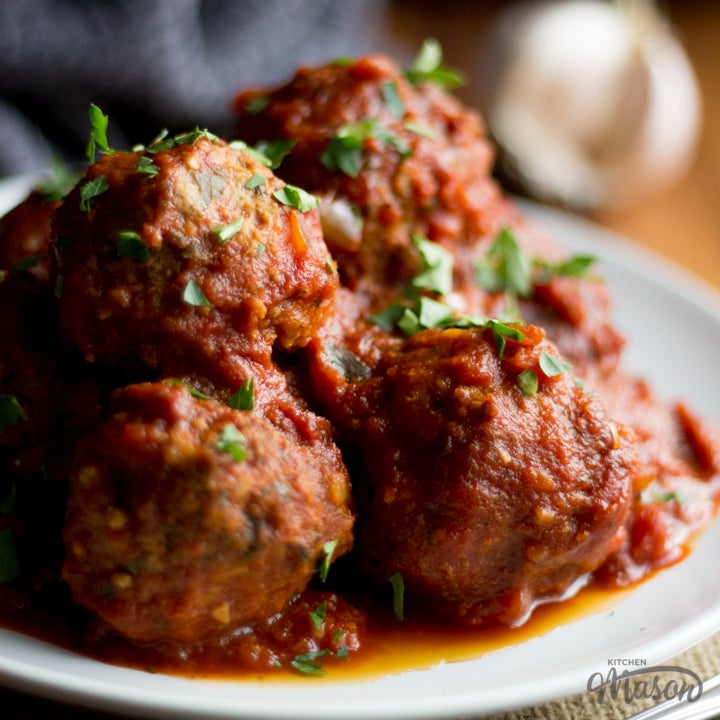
297, 198
11, 412
576, 266
269, 153
98, 134
131, 245
250, 151
91, 189
502, 333
428, 67
244, 398
551, 365
505, 267
418, 129
392, 100
583, 385
329, 548
225, 233
398, 587
163, 141
308, 663
343, 154
193, 136
193, 295
317, 616
146, 166
255, 105
232, 441
255, 181
426, 313
345, 151
527, 381
9, 567
194, 392
274, 151
27, 263
436, 273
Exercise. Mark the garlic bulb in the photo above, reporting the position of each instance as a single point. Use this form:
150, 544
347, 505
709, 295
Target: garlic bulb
595, 102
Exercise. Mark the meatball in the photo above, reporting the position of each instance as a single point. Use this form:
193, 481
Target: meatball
186, 268
386, 168
187, 519
485, 496
393, 161
25, 235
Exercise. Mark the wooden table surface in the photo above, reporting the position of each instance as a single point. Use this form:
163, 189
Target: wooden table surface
682, 224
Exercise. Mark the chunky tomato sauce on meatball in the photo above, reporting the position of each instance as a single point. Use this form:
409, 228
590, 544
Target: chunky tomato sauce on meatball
253, 396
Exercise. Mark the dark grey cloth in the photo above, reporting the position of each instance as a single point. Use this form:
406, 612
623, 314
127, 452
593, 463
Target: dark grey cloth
153, 63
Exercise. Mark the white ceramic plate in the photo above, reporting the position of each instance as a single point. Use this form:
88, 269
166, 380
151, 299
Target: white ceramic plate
674, 326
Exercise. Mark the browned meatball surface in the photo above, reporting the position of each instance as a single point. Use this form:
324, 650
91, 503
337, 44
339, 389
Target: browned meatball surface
487, 499
190, 266
187, 518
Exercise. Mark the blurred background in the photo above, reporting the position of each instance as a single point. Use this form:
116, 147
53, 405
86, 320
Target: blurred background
609, 109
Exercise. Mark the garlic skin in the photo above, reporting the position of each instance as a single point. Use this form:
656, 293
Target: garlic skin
595, 102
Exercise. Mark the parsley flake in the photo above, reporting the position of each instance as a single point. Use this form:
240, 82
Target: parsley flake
275, 151
131, 245
146, 166
232, 441
437, 267
244, 398
505, 267
11, 412
527, 381
308, 664
256, 181
91, 189
255, 105
329, 548
428, 67
317, 616
193, 295
419, 129
194, 392
392, 100
98, 134
398, 602
551, 365
344, 152
225, 233
297, 198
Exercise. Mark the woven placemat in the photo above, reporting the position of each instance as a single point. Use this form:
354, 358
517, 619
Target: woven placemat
703, 659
